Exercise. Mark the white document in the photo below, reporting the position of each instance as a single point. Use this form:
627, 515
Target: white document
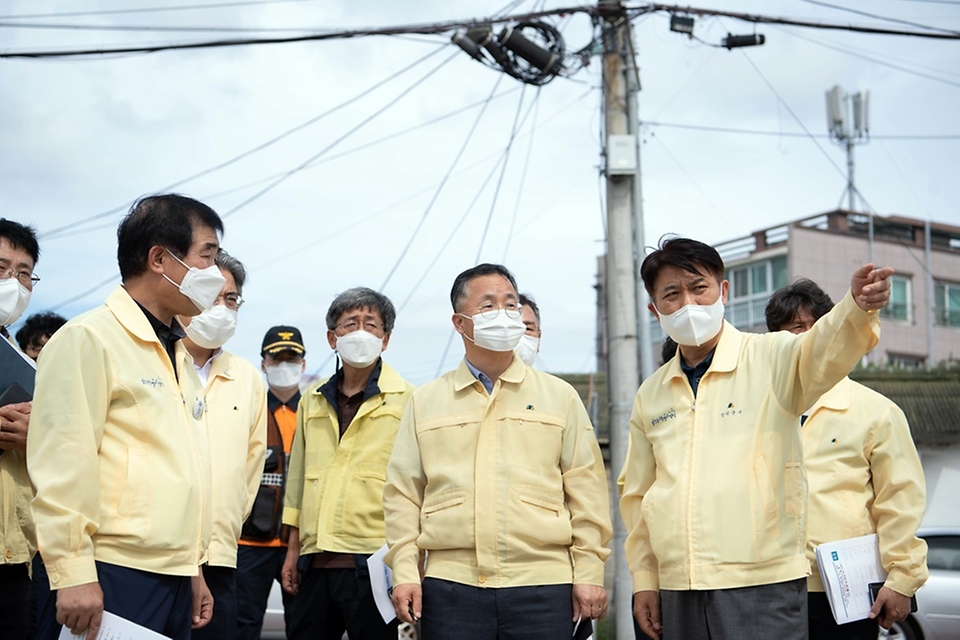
847, 567
381, 582
114, 627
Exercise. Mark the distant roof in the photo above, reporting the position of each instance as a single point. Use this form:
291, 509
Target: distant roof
931, 402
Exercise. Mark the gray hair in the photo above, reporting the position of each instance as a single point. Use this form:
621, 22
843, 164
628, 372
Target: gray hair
227, 262
358, 298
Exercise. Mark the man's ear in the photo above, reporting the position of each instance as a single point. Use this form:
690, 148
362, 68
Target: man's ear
332, 339
724, 291
653, 310
458, 323
386, 340
155, 257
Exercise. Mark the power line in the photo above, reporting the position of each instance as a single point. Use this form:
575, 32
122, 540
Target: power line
879, 17
523, 176
447, 26
58, 230
154, 28
762, 19
793, 114
340, 139
790, 134
422, 29
188, 7
864, 56
443, 183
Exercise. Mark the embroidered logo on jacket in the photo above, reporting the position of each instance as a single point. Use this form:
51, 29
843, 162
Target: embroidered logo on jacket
669, 415
153, 382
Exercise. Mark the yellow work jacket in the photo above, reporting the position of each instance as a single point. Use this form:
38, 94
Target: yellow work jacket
17, 535
334, 491
502, 490
236, 419
714, 487
117, 450
18, 541
865, 477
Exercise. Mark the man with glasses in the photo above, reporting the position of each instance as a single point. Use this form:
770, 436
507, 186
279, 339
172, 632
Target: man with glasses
346, 427
236, 419
117, 448
19, 252
497, 476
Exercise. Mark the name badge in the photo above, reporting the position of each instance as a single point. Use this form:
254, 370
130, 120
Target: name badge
198, 409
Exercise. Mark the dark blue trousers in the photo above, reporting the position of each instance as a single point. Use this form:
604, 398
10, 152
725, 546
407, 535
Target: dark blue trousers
257, 569
15, 596
158, 602
453, 610
823, 626
222, 582
331, 601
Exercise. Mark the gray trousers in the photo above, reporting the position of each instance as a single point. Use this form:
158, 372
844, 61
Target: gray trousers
745, 613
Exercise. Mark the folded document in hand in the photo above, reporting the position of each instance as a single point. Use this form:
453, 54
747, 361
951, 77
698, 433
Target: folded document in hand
847, 568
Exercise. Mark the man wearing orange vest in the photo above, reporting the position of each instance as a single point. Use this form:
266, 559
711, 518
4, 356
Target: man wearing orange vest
263, 541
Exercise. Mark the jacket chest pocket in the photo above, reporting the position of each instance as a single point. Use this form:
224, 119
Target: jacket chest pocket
533, 440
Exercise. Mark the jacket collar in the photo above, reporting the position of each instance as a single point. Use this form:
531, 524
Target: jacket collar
837, 398
463, 378
221, 364
725, 356
128, 313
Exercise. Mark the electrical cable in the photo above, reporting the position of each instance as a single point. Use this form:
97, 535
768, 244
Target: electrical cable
790, 134
762, 19
54, 232
503, 171
793, 114
493, 206
696, 184
421, 29
340, 139
150, 28
869, 58
858, 12
443, 183
523, 176
84, 294
104, 12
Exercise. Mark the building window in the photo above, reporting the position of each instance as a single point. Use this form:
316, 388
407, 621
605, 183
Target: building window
899, 306
946, 300
905, 361
750, 288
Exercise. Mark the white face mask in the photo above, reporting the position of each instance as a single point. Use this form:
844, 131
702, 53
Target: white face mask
202, 286
212, 328
528, 349
14, 298
359, 348
285, 375
500, 333
693, 324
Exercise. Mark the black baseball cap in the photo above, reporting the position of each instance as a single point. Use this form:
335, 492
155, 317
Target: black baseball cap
282, 338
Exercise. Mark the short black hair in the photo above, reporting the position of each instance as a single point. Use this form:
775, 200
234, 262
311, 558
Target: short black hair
683, 253
359, 298
22, 237
167, 220
37, 326
459, 290
788, 301
526, 300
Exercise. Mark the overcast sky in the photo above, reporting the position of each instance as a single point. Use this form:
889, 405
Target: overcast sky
81, 137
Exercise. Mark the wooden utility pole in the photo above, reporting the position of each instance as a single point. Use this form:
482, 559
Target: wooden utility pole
623, 377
